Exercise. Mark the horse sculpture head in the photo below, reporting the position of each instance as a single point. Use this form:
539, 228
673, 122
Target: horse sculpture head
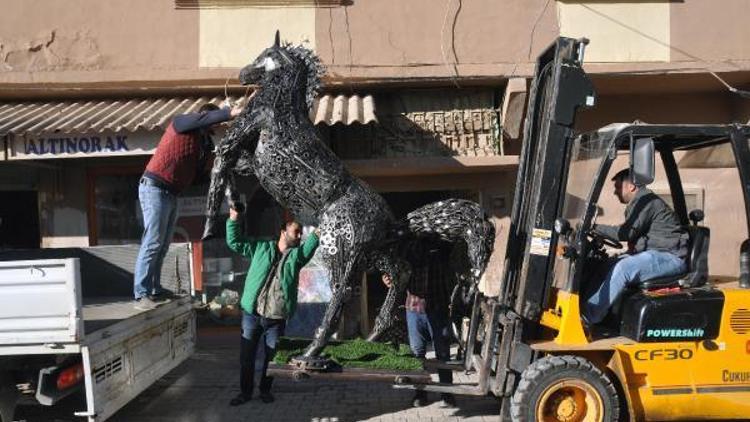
285, 67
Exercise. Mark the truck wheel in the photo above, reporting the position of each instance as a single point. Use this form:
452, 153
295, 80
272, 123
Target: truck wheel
8, 397
564, 389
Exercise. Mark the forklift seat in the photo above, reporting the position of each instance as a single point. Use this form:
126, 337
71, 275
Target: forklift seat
697, 263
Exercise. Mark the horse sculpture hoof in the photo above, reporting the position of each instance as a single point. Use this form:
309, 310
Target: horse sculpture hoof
311, 363
374, 336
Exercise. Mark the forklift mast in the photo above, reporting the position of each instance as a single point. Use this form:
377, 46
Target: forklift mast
559, 88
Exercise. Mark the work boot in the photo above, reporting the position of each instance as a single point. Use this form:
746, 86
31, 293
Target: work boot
448, 400
239, 399
265, 389
266, 397
420, 398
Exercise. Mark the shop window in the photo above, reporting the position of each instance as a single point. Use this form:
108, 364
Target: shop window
693, 197
117, 211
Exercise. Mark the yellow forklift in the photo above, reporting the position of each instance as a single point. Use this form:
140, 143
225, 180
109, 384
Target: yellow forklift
674, 348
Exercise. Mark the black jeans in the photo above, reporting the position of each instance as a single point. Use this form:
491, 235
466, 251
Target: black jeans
254, 327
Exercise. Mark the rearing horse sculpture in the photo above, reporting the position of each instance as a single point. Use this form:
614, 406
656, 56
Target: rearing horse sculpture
274, 139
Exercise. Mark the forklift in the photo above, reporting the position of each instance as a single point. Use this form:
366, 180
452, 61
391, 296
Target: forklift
673, 348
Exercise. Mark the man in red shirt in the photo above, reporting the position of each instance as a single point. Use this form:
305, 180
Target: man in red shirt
185, 152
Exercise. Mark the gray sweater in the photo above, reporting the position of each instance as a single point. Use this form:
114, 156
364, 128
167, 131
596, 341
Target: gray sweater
650, 225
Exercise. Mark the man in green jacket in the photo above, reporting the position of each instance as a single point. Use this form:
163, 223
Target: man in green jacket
269, 297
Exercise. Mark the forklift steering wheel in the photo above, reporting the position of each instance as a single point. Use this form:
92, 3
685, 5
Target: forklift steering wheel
605, 239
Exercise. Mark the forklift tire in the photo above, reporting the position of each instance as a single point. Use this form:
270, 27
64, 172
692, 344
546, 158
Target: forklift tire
564, 389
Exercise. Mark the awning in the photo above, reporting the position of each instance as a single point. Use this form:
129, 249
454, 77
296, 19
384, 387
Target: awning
149, 114
96, 116
343, 109
97, 128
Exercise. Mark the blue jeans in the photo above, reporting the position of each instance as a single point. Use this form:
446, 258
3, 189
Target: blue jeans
254, 327
159, 208
425, 327
628, 270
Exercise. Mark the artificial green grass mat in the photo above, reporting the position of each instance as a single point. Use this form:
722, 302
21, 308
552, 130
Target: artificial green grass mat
356, 353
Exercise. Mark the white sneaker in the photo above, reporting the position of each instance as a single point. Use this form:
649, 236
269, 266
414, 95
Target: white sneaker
145, 304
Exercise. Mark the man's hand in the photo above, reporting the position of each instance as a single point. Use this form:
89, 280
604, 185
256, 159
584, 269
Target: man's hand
387, 280
240, 104
317, 231
233, 214
236, 110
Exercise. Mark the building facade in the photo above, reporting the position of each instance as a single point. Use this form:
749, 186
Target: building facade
423, 99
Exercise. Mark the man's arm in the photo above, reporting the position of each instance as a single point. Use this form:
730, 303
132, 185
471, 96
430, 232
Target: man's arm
235, 241
192, 121
307, 250
607, 230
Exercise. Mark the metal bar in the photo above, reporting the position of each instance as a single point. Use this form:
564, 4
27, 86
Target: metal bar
89, 385
356, 374
463, 389
675, 185
434, 364
741, 147
471, 339
485, 358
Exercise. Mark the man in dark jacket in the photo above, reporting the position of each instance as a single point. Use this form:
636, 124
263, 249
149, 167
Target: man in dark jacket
427, 301
184, 153
657, 244
269, 297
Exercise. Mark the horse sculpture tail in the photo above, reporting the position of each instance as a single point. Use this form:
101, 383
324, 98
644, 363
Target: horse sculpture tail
453, 221
456, 221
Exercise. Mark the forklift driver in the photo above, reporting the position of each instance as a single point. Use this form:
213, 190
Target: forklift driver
657, 245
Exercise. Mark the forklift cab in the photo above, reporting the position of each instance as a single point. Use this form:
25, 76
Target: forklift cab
647, 305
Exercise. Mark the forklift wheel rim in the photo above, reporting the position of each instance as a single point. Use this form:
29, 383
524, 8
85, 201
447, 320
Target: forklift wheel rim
570, 400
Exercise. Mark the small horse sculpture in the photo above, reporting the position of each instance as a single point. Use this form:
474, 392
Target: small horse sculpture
274, 139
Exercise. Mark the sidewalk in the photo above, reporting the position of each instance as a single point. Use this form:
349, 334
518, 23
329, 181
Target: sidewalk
200, 390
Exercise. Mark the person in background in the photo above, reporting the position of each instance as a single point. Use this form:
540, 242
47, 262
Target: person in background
427, 301
183, 155
269, 296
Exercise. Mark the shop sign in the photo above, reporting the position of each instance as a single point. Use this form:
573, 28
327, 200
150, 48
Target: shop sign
195, 206
191, 206
81, 145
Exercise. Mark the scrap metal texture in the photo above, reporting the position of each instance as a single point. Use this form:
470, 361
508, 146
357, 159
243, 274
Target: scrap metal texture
275, 140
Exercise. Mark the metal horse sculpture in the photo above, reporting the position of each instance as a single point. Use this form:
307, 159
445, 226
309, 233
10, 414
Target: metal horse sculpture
274, 139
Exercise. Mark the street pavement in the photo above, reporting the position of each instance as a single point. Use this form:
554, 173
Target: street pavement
200, 389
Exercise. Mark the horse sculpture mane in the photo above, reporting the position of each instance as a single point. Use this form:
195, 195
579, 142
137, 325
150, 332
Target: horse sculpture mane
275, 140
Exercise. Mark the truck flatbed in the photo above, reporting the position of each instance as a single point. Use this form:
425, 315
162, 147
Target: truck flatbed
102, 312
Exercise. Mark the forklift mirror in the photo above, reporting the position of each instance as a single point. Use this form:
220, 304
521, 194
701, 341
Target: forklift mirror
642, 161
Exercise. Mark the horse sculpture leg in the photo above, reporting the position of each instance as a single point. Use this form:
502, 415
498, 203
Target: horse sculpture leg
400, 271
232, 154
220, 177
341, 292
